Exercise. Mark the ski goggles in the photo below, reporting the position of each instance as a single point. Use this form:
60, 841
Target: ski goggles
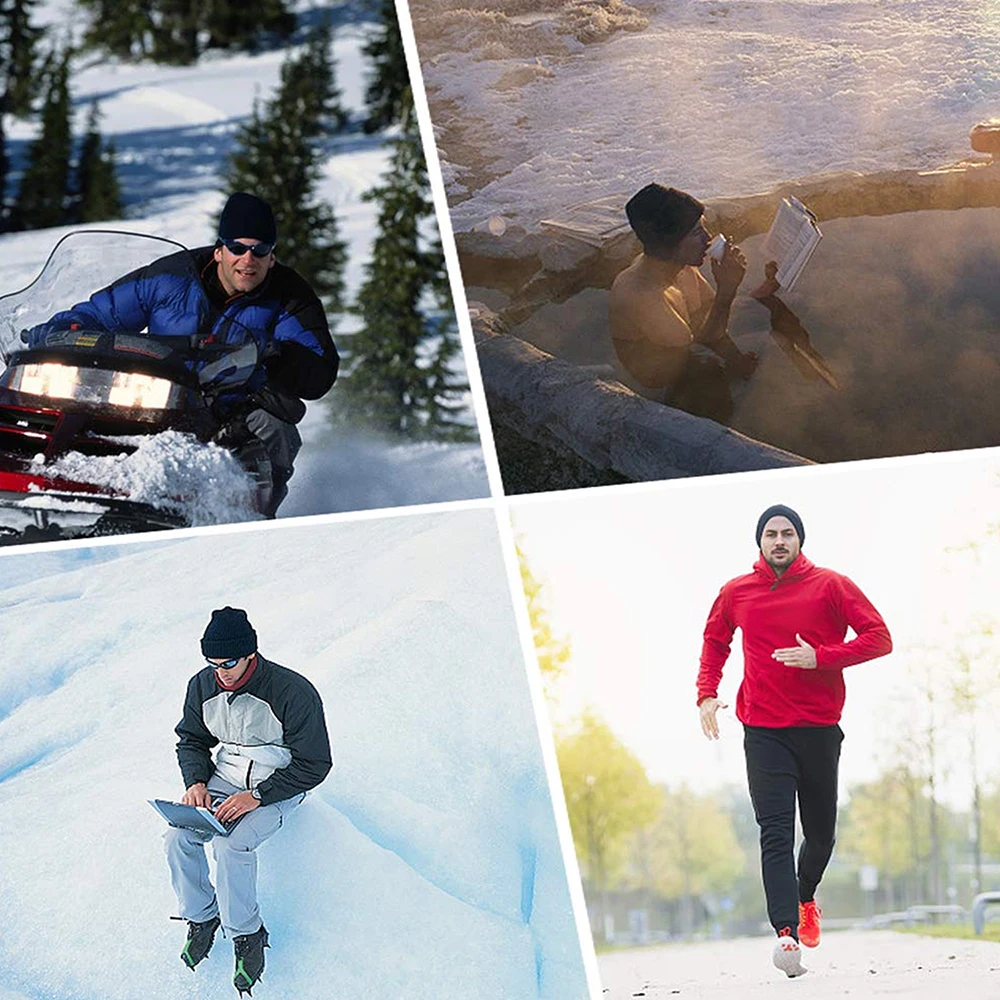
225, 664
238, 249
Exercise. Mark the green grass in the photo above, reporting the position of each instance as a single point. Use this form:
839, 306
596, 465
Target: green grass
991, 932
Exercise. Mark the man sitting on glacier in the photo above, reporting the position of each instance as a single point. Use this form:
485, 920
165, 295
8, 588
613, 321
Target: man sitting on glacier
267, 722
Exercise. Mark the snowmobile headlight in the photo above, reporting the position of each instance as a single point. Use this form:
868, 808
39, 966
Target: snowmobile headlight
132, 390
49, 379
97, 386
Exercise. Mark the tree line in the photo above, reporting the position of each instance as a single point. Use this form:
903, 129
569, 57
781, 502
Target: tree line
401, 372
695, 853
62, 181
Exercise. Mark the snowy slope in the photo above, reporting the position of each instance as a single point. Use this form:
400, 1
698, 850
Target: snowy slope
716, 97
172, 127
425, 866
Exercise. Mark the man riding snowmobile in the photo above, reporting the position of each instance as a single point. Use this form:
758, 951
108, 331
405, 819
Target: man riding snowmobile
217, 296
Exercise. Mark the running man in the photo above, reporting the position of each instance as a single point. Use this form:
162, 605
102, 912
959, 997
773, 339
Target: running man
794, 617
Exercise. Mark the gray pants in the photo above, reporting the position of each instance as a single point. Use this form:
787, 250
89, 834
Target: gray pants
235, 859
281, 441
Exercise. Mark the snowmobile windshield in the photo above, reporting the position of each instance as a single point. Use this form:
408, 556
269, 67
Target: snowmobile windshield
126, 300
79, 265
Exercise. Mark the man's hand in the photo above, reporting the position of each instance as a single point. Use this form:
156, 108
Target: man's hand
803, 655
197, 795
235, 806
35, 336
233, 433
729, 271
709, 723
769, 285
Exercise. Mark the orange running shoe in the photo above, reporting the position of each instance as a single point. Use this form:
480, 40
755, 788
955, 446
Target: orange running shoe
809, 917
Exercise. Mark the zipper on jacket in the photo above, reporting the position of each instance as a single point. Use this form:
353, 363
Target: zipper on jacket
249, 769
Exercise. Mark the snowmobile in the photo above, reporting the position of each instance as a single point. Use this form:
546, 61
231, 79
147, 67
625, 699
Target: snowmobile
91, 394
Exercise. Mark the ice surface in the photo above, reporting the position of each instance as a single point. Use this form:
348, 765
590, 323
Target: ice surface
719, 98
425, 866
173, 127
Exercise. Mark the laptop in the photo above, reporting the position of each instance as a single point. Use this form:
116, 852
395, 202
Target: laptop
195, 818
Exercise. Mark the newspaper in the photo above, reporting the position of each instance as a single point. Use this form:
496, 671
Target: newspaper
791, 240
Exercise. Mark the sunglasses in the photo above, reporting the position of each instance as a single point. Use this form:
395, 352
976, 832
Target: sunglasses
225, 664
238, 249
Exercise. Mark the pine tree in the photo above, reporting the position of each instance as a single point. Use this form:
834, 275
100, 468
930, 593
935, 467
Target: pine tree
388, 95
309, 88
18, 45
122, 28
401, 380
444, 399
234, 25
277, 157
178, 31
41, 201
98, 195
175, 31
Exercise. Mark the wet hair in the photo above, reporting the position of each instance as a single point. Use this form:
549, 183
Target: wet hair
661, 217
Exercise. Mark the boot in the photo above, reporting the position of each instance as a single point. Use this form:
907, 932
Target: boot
199, 941
249, 951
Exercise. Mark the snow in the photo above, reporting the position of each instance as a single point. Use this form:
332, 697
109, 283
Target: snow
364, 472
172, 469
427, 865
172, 127
44, 501
719, 98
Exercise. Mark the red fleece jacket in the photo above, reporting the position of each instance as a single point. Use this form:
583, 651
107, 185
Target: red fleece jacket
817, 603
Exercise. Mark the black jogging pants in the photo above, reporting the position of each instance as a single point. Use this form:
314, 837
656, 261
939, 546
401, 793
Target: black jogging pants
798, 762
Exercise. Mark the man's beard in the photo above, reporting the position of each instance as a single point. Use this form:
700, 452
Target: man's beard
782, 561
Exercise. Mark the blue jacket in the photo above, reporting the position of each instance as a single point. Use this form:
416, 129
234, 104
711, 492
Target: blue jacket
179, 297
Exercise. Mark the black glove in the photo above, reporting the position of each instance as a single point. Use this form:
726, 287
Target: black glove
35, 336
279, 404
233, 433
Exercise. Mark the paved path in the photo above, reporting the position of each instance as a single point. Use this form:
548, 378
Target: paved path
846, 964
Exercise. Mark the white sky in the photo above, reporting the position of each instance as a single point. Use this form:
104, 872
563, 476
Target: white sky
631, 572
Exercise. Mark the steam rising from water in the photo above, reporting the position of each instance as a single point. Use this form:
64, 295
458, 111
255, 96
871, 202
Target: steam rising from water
716, 96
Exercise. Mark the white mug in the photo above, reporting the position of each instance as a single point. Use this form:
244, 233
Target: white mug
717, 247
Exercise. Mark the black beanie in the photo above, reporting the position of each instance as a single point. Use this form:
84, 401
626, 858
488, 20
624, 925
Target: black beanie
661, 217
229, 635
246, 215
780, 510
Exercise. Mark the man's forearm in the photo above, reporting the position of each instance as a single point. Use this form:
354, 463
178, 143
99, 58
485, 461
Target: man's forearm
709, 676
195, 763
713, 330
725, 347
300, 776
871, 639
872, 642
716, 643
